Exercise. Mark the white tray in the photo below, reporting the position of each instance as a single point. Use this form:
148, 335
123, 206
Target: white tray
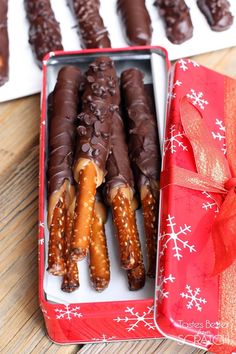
25, 76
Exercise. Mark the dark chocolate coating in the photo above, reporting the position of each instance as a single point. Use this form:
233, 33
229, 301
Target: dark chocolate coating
4, 42
217, 13
44, 31
98, 105
176, 16
63, 109
144, 151
93, 33
136, 20
119, 172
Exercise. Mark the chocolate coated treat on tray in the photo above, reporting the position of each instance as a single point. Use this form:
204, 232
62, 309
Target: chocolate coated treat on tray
144, 153
217, 13
93, 33
4, 42
44, 31
62, 110
136, 21
178, 23
93, 146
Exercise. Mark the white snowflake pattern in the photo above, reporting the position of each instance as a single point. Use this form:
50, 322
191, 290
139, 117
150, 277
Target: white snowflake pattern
45, 313
210, 205
68, 312
162, 280
220, 135
197, 99
184, 64
174, 236
171, 93
174, 140
104, 338
134, 319
193, 298
41, 241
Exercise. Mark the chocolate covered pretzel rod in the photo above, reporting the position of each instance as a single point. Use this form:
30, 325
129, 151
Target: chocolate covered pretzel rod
217, 13
63, 110
93, 33
44, 31
93, 146
98, 253
144, 154
4, 42
119, 191
136, 20
176, 16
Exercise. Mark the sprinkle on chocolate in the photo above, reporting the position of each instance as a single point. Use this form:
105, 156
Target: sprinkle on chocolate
92, 31
217, 13
176, 16
44, 31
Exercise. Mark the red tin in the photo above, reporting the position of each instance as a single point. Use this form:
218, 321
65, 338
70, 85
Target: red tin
115, 318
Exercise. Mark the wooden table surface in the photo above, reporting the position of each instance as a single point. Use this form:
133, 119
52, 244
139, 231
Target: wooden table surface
21, 322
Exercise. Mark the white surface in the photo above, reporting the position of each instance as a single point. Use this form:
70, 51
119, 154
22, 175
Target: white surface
25, 77
118, 287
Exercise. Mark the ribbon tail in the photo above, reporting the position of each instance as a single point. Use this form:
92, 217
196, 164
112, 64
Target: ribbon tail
224, 234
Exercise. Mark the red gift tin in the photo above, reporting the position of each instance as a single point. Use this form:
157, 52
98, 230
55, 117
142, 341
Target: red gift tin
85, 315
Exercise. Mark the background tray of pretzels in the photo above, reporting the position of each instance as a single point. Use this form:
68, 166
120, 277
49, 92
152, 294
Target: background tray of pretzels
102, 166
29, 29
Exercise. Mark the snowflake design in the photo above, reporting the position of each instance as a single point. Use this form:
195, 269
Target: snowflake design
197, 99
104, 338
134, 319
174, 236
172, 94
220, 135
68, 312
184, 64
210, 205
45, 313
174, 140
41, 241
162, 280
193, 298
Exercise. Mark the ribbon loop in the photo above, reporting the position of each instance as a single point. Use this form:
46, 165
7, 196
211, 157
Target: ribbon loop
231, 183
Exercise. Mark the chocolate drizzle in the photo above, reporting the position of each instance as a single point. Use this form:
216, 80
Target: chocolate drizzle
176, 16
217, 13
63, 108
4, 43
93, 33
44, 31
119, 172
98, 105
144, 150
136, 20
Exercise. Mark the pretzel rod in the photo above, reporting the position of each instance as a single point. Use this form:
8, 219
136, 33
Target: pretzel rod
144, 154
177, 19
99, 259
92, 31
4, 43
62, 110
136, 21
136, 277
71, 277
44, 31
93, 146
56, 247
217, 13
